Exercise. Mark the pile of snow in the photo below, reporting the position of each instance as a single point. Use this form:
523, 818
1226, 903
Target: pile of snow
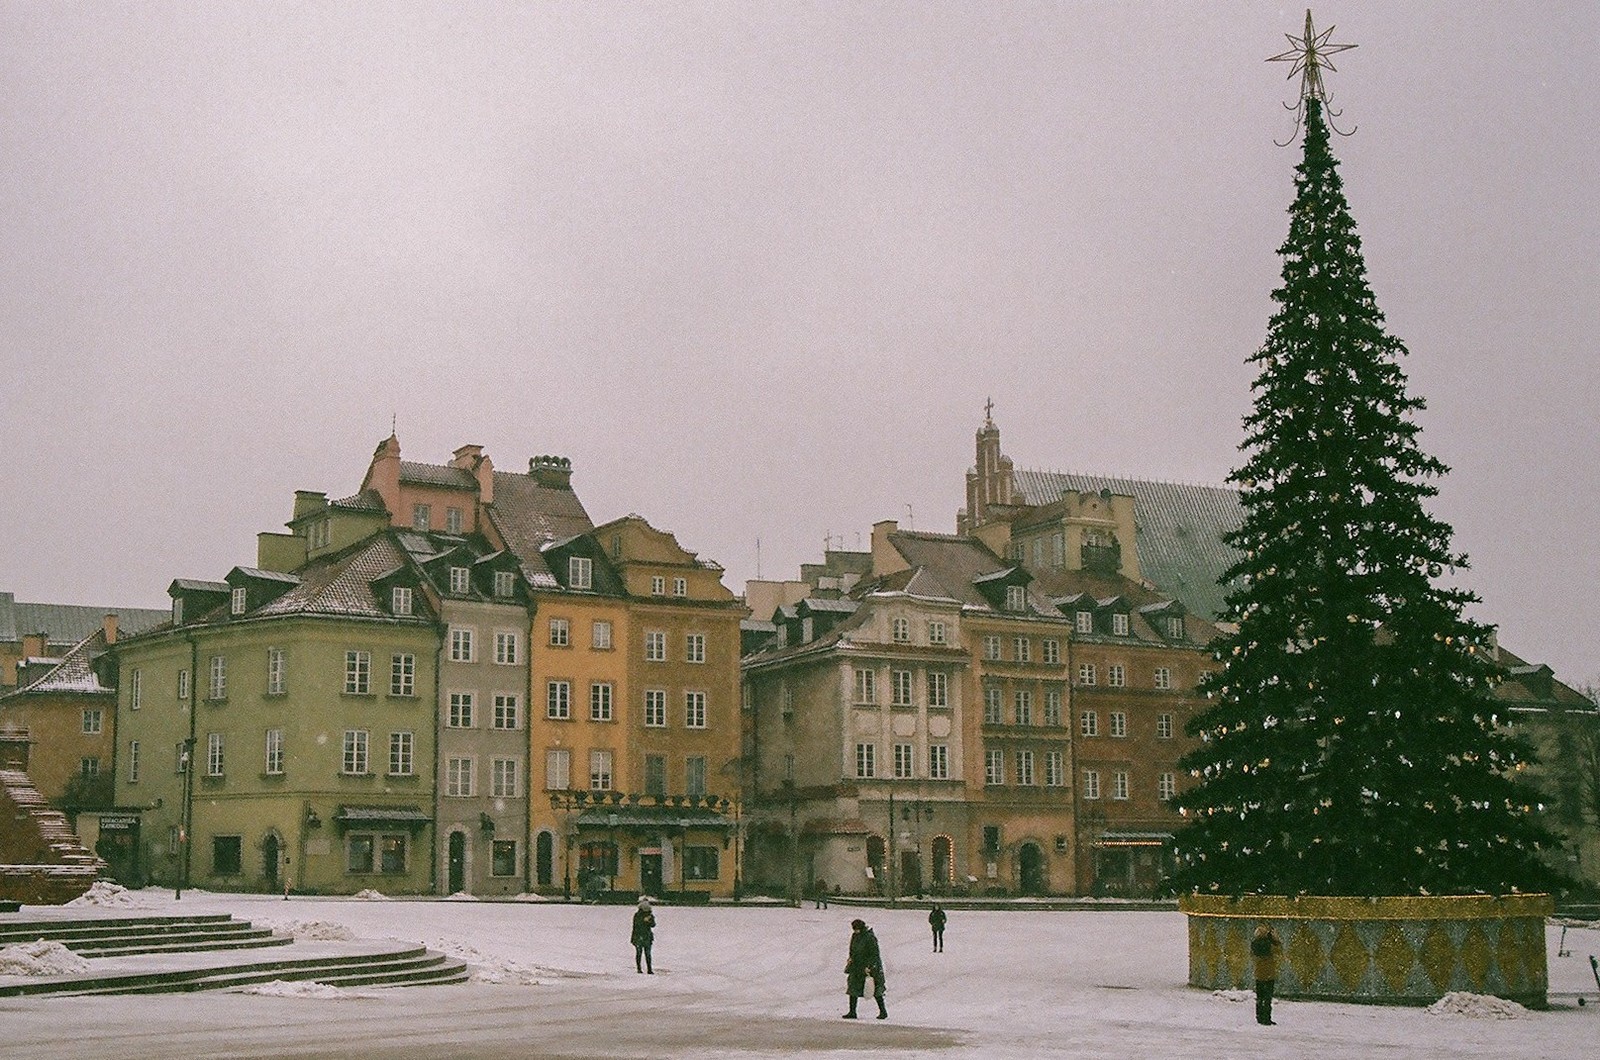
495, 970
461, 896
1234, 995
41, 958
529, 896
317, 991
106, 893
322, 930
367, 894
1476, 1006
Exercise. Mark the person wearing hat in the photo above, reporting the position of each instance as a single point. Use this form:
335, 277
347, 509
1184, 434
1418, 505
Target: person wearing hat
865, 959
1264, 949
644, 934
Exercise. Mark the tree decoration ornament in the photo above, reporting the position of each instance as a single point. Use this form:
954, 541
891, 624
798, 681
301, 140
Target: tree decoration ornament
1351, 722
1309, 56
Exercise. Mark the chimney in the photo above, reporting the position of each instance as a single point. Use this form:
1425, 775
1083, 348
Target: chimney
552, 472
308, 501
108, 625
886, 559
35, 645
466, 458
470, 458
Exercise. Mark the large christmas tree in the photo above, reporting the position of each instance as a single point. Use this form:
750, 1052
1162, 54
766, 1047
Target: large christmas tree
1351, 745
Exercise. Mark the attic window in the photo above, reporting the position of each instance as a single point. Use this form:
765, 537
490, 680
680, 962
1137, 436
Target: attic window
658, 586
901, 631
400, 600
177, 610
1174, 627
1084, 622
1016, 598
1119, 624
240, 601
680, 587
504, 583
580, 572
458, 581
318, 535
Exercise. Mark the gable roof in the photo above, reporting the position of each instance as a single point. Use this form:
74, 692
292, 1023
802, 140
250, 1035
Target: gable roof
1178, 529
529, 515
74, 674
955, 567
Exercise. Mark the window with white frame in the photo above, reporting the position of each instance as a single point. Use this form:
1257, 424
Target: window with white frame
1089, 723
421, 516
1163, 677
694, 710
460, 581
994, 767
356, 761
1055, 769
182, 757
89, 767
600, 708
694, 648
786, 698
461, 645
402, 754
319, 533
1086, 674
239, 600
504, 783
183, 684
938, 690
993, 706
505, 584
400, 600
1023, 649
938, 761
1025, 768
694, 776
1022, 706
558, 700
1052, 707
1166, 786
991, 648
866, 685
937, 633
214, 754
1119, 623
402, 674
866, 760
218, 689
462, 706
92, 721
275, 672
655, 708
458, 777
1016, 598
507, 712
1174, 627
133, 761
1091, 783
655, 646
1116, 675
580, 572
560, 632
599, 770
1119, 723
274, 756
600, 635
357, 672
1051, 651
655, 775
1119, 784
135, 683
900, 631
1163, 726
1058, 550
452, 520
1083, 622
507, 648
557, 770
680, 587
905, 757
658, 586
900, 688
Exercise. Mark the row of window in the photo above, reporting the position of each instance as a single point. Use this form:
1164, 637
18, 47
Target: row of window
464, 647
937, 632
901, 688
558, 704
355, 755
1089, 724
558, 772
460, 777
904, 764
1022, 649
1022, 707
462, 712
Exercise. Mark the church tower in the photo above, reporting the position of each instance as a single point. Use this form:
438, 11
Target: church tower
991, 485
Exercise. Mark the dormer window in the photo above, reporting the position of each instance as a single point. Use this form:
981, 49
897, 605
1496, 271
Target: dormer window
317, 536
504, 584
177, 611
1016, 598
901, 631
1174, 627
936, 633
421, 516
239, 601
658, 586
458, 581
1119, 624
400, 600
1084, 622
680, 587
580, 572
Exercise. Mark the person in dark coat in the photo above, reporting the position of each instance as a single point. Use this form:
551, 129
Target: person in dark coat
644, 935
865, 959
1264, 949
936, 919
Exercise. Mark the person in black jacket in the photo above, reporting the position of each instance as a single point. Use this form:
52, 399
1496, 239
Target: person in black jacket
936, 919
1264, 949
865, 959
644, 935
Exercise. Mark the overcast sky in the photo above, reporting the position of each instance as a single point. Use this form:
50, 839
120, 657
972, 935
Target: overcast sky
755, 267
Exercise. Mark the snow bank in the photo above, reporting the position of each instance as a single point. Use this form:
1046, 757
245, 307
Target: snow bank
461, 896
316, 991
1234, 995
41, 958
367, 894
528, 896
325, 930
106, 893
1476, 1006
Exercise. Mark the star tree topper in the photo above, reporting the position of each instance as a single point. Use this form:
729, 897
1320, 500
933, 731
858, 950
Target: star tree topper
1309, 54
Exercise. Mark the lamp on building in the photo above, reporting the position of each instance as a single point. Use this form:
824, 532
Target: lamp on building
486, 823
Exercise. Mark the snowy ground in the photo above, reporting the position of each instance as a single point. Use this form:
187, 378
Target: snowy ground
556, 980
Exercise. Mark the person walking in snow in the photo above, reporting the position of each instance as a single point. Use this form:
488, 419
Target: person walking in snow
644, 935
1264, 949
936, 919
865, 959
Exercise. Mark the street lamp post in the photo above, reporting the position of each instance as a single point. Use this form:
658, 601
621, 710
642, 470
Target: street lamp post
185, 816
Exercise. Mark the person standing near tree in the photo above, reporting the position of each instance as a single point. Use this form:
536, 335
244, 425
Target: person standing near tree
936, 919
644, 936
1264, 949
865, 959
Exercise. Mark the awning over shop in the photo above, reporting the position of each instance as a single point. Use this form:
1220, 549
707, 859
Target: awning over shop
1133, 839
411, 817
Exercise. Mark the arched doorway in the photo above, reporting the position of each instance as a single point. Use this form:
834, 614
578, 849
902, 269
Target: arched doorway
1030, 869
272, 862
943, 864
544, 859
458, 863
